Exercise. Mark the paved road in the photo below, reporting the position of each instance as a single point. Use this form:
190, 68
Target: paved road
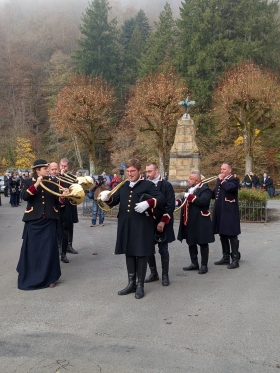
224, 321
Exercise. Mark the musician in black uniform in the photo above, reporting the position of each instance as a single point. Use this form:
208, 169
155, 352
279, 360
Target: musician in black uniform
195, 223
68, 216
14, 185
38, 265
163, 223
135, 235
225, 218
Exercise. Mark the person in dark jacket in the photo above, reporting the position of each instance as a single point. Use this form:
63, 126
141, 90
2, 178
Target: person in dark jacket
135, 235
14, 185
248, 181
225, 218
270, 187
68, 216
195, 223
162, 224
38, 265
255, 180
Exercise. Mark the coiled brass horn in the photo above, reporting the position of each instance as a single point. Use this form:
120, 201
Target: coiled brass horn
103, 205
204, 181
85, 181
76, 193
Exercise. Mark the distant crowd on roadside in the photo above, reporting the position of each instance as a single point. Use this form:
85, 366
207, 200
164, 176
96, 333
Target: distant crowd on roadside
13, 184
252, 181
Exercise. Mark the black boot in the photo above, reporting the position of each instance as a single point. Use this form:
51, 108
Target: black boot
153, 267
235, 255
204, 251
226, 252
141, 273
70, 249
131, 272
193, 254
64, 258
192, 267
165, 269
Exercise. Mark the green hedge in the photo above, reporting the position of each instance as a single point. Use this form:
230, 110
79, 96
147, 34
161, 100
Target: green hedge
253, 195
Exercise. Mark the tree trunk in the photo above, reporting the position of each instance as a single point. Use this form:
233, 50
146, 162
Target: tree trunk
77, 151
248, 163
91, 166
161, 163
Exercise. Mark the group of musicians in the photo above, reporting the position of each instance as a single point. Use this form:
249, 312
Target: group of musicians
145, 219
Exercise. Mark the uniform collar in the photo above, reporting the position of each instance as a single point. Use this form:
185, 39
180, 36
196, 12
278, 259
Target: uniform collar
156, 180
133, 183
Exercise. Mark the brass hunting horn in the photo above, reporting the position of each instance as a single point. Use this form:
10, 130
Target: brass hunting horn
103, 205
204, 181
76, 193
85, 181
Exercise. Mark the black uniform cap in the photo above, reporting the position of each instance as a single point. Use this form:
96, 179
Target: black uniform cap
40, 163
160, 236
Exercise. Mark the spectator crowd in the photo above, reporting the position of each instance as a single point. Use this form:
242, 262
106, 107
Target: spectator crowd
252, 181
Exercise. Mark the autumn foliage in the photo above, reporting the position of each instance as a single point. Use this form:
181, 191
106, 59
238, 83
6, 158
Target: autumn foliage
153, 110
84, 109
246, 104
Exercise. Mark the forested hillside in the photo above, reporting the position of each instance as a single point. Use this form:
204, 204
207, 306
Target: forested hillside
100, 81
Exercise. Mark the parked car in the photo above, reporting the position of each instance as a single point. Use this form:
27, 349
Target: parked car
2, 186
17, 170
82, 172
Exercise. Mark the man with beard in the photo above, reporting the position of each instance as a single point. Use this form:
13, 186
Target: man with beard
163, 224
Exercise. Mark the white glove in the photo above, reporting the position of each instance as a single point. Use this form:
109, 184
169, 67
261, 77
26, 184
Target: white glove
141, 206
186, 195
191, 190
104, 195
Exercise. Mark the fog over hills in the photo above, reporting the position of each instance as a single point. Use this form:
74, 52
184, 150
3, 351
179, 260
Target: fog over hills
120, 8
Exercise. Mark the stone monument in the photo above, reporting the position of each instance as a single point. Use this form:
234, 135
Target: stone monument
184, 154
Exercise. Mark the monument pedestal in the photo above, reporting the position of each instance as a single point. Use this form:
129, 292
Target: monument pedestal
184, 154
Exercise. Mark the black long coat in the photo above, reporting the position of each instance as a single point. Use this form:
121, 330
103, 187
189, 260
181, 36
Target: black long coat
199, 228
39, 201
68, 212
167, 216
225, 218
135, 235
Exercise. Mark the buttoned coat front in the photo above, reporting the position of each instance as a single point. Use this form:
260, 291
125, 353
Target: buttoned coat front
225, 218
167, 190
199, 228
39, 201
135, 234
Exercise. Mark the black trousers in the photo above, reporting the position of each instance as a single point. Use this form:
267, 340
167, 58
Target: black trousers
204, 251
66, 235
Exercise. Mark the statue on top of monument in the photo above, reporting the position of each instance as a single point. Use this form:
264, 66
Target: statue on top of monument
187, 103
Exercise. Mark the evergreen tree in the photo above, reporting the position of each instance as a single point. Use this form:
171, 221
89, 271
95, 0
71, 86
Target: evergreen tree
98, 51
127, 31
161, 45
216, 34
142, 22
135, 33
